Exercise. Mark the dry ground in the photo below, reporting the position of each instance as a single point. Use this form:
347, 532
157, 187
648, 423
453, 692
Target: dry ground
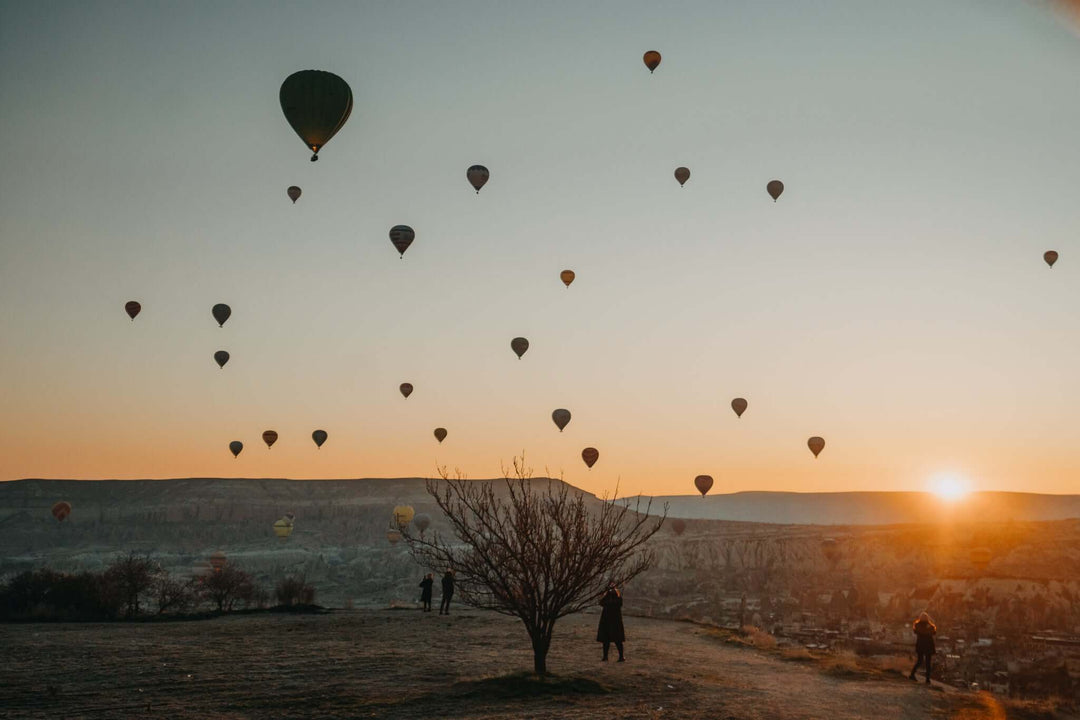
405, 664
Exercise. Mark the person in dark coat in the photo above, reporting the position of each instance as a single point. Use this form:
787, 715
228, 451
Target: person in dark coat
425, 591
925, 630
611, 625
447, 592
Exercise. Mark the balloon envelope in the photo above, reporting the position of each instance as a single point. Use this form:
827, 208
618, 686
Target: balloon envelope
132, 308
478, 175
561, 418
651, 60
590, 455
294, 193
422, 521
406, 389
283, 528
519, 345
235, 447
319, 436
703, 483
221, 357
394, 536
980, 557
830, 549
678, 525
816, 445
217, 560
775, 188
61, 510
682, 174
269, 437
403, 515
221, 313
402, 237
567, 276
739, 406
440, 434
316, 104
1051, 257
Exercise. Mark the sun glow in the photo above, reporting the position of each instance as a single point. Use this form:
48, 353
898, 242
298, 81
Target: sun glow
949, 486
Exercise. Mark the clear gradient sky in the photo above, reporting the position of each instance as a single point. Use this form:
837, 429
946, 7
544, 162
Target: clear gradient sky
894, 300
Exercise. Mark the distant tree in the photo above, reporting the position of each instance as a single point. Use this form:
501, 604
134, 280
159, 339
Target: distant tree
173, 594
293, 590
131, 578
223, 587
536, 552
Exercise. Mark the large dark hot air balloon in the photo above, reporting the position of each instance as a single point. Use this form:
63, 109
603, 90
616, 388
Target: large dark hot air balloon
703, 483
830, 549
1050, 256
406, 389
440, 434
294, 193
567, 277
816, 445
682, 174
61, 510
221, 357
478, 176
775, 188
590, 455
132, 308
319, 436
221, 313
739, 406
561, 418
235, 447
519, 345
269, 437
402, 237
316, 104
651, 60
678, 526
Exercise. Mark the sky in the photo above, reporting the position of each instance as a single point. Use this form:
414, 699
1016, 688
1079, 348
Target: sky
893, 301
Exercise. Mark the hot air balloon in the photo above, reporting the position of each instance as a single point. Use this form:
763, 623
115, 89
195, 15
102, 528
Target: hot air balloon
739, 406
816, 445
775, 188
561, 418
478, 175
682, 174
422, 522
319, 436
394, 536
221, 357
221, 313
316, 104
294, 193
403, 515
567, 277
678, 526
440, 434
290, 516
61, 510
652, 60
519, 345
1050, 256
830, 549
235, 447
269, 437
132, 308
590, 455
703, 483
217, 561
980, 557
283, 528
402, 237
406, 389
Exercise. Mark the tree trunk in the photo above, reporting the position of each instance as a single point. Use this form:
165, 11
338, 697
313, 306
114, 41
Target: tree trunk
541, 642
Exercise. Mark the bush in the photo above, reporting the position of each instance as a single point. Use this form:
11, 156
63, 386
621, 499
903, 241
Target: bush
294, 590
48, 595
758, 637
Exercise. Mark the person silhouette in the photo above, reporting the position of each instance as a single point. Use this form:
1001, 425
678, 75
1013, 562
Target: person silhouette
447, 592
924, 630
425, 591
611, 624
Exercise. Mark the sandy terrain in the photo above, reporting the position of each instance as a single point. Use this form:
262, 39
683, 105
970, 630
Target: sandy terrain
405, 664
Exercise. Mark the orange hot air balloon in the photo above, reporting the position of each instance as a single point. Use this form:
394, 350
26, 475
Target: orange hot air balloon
61, 510
406, 389
682, 174
218, 560
775, 188
440, 434
567, 277
739, 405
132, 308
816, 445
519, 345
703, 483
478, 176
316, 104
402, 237
678, 525
294, 193
980, 557
590, 455
221, 357
1051, 257
235, 447
651, 60
221, 313
561, 418
319, 436
269, 437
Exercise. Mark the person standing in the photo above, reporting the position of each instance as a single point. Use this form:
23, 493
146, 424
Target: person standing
425, 591
611, 625
925, 630
447, 592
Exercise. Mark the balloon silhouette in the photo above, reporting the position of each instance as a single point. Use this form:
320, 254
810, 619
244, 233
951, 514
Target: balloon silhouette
440, 434
402, 237
816, 445
567, 276
422, 522
739, 406
221, 357
478, 176
319, 436
703, 483
61, 510
316, 104
561, 418
269, 437
682, 175
294, 193
132, 308
406, 389
235, 447
678, 525
590, 455
651, 60
221, 313
1051, 257
775, 188
519, 345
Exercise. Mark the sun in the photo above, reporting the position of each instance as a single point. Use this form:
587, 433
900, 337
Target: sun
949, 486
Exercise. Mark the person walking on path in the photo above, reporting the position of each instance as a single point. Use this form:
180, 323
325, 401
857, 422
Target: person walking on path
611, 625
447, 592
925, 630
425, 591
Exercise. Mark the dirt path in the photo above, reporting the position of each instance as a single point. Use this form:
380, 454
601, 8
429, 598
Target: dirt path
404, 664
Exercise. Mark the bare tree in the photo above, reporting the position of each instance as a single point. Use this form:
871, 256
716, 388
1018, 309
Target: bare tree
225, 585
537, 551
173, 594
131, 578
